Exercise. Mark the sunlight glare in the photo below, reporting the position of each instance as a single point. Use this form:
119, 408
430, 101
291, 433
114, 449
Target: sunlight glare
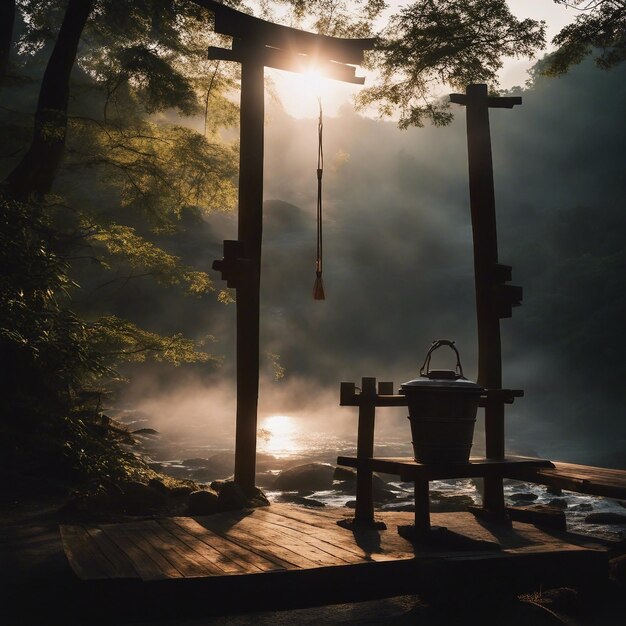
282, 434
299, 93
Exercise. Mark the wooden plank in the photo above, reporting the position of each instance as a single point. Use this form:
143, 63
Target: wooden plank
199, 549
319, 539
408, 469
249, 560
186, 560
120, 562
147, 561
87, 561
255, 539
363, 542
579, 478
293, 541
318, 519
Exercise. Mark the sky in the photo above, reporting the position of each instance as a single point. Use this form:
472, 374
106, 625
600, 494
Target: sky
399, 271
298, 93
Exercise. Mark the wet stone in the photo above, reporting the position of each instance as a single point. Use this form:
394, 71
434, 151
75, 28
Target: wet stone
524, 497
292, 498
605, 518
559, 503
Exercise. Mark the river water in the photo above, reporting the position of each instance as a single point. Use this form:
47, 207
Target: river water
283, 443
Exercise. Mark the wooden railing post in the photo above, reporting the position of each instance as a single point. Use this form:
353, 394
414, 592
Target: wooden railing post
364, 513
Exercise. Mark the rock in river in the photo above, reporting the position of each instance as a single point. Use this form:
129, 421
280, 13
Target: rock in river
605, 518
314, 476
202, 502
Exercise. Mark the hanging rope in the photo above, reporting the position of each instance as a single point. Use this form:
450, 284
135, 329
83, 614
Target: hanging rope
318, 287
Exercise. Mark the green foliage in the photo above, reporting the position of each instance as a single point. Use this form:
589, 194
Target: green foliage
132, 171
601, 26
432, 43
157, 169
338, 18
140, 253
120, 339
277, 368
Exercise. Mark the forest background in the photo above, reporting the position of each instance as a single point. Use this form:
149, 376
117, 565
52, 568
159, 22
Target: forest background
119, 163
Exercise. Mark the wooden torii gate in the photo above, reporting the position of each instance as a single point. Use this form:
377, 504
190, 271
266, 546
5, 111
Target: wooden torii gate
258, 44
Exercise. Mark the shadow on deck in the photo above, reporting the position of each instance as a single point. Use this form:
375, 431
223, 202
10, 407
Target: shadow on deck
285, 557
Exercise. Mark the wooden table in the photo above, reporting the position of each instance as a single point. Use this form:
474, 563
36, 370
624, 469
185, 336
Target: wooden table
421, 473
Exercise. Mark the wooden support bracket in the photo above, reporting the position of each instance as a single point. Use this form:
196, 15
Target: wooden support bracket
505, 396
234, 267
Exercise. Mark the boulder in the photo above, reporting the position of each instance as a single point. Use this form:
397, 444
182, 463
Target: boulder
583, 506
539, 514
345, 486
195, 462
292, 498
554, 491
149, 432
222, 463
523, 497
559, 503
159, 485
232, 497
344, 474
265, 479
202, 502
449, 504
140, 499
101, 504
605, 518
314, 476
180, 491
380, 492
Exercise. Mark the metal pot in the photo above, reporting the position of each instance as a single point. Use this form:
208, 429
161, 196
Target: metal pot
442, 411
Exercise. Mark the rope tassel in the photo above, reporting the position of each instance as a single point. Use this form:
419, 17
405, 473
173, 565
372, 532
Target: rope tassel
318, 287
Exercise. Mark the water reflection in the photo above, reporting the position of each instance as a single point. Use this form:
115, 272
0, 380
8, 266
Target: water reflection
280, 435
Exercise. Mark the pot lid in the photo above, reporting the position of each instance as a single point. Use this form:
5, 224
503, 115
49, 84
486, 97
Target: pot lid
445, 380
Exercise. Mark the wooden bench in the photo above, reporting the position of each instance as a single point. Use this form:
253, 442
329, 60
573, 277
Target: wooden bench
372, 396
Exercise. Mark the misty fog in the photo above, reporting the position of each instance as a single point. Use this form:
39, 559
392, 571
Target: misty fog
398, 272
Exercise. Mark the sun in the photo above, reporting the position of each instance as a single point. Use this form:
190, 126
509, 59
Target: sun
299, 92
281, 432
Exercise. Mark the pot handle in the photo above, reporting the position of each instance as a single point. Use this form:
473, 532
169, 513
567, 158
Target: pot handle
437, 344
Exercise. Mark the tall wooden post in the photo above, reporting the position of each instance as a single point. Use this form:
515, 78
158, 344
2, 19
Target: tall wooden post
364, 513
258, 44
489, 275
250, 228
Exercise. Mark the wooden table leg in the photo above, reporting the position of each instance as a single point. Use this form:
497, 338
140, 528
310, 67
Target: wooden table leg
422, 507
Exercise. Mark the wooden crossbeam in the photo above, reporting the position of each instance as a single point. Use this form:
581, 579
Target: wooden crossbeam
253, 29
282, 60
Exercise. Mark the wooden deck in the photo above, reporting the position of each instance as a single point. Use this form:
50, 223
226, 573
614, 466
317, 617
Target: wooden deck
595, 481
293, 557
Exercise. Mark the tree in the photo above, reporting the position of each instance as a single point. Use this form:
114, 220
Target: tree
600, 25
36, 171
7, 18
104, 170
432, 43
